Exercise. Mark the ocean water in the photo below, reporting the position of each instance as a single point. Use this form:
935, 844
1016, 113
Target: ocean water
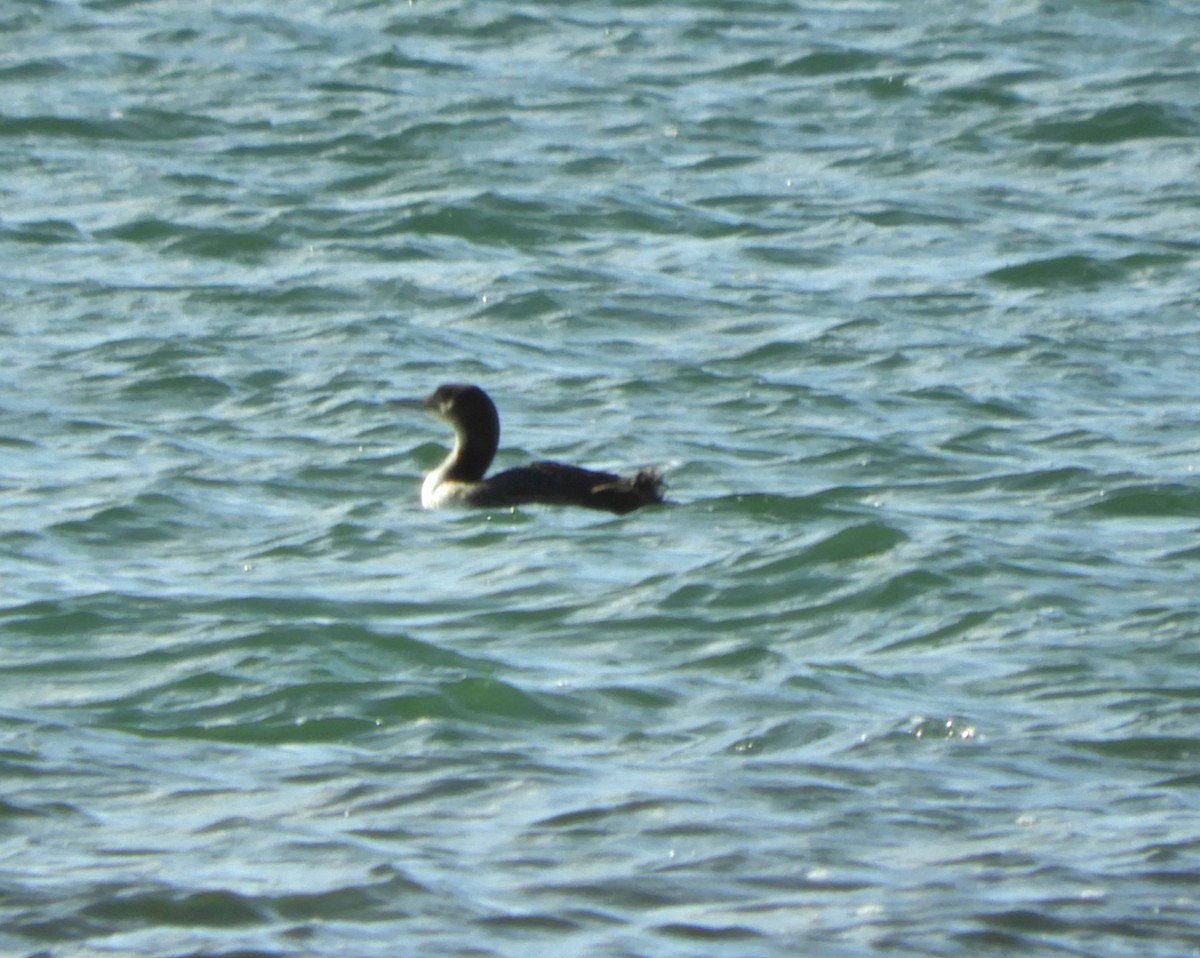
901, 296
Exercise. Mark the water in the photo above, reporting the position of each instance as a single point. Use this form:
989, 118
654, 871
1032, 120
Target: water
902, 296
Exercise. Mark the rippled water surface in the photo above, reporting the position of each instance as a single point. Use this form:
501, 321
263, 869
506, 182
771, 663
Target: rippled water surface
901, 296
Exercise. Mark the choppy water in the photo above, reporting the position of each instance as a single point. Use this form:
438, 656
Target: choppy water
903, 296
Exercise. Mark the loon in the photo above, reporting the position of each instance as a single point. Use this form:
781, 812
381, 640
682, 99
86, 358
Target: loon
459, 480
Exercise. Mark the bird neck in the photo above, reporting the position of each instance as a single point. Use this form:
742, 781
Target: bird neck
473, 452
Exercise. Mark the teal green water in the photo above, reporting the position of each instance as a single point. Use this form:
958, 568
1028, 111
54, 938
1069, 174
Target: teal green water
901, 296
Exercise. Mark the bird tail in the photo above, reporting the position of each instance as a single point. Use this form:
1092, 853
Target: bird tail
622, 495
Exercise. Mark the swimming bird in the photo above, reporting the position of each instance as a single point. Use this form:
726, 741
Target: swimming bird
459, 480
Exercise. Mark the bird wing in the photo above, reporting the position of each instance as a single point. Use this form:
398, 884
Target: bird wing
555, 483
